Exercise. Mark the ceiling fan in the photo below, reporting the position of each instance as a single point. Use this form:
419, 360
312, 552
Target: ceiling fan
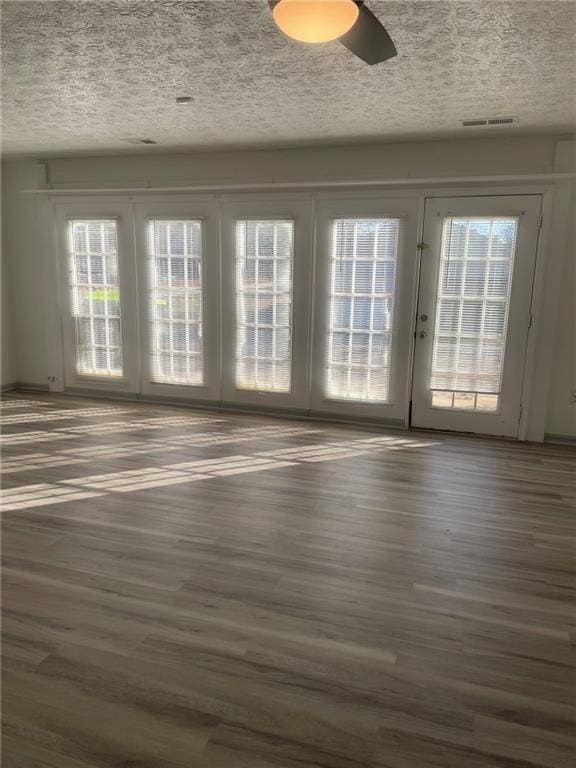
348, 21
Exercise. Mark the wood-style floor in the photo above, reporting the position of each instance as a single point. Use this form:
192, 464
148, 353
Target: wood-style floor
185, 589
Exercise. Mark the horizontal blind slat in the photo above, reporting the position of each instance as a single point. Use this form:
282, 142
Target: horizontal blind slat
175, 308
361, 309
475, 277
264, 285
95, 296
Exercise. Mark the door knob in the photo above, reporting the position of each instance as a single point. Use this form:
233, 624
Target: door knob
423, 318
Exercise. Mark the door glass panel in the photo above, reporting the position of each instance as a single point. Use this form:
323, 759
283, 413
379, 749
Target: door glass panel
175, 302
94, 284
475, 278
264, 275
361, 309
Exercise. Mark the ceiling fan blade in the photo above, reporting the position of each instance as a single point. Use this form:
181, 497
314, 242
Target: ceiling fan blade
368, 39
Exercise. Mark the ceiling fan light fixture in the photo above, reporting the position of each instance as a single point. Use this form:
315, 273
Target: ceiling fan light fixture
315, 21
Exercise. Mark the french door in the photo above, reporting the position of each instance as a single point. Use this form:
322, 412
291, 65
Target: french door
177, 248
473, 316
364, 302
266, 261
94, 243
293, 303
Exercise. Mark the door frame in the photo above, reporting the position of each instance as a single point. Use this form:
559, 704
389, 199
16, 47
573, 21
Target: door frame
205, 210
505, 421
405, 207
299, 209
120, 210
551, 247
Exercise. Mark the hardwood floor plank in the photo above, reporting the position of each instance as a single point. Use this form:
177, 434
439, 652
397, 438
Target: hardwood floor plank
192, 590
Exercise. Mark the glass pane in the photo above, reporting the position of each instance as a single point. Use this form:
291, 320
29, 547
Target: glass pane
361, 309
175, 301
93, 279
264, 264
467, 401
475, 277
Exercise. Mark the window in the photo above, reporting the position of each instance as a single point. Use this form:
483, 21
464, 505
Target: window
361, 309
93, 279
175, 301
475, 278
264, 271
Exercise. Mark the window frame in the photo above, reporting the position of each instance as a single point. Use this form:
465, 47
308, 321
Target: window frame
299, 210
86, 199
194, 209
407, 209
120, 211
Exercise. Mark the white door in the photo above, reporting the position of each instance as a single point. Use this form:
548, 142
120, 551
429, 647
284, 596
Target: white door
177, 250
266, 258
364, 307
96, 262
473, 318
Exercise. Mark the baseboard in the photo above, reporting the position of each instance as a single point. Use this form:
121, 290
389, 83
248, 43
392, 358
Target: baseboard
8, 387
27, 387
219, 407
560, 439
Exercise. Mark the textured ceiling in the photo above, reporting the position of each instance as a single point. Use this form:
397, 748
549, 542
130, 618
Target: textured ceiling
81, 75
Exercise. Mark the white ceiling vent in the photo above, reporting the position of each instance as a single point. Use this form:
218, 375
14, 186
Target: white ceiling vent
479, 122
140, 141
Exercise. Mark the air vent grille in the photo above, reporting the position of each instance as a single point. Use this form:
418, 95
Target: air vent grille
471, 123
480, 122
502, 120
140, 141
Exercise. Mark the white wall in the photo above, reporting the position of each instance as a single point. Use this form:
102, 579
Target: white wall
26, 246
561, 420
7, 365
385, 161
28, 236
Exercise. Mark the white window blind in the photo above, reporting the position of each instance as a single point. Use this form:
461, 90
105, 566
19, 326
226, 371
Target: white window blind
475, 278
264, 270
175, 301
364, 253
93, 279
